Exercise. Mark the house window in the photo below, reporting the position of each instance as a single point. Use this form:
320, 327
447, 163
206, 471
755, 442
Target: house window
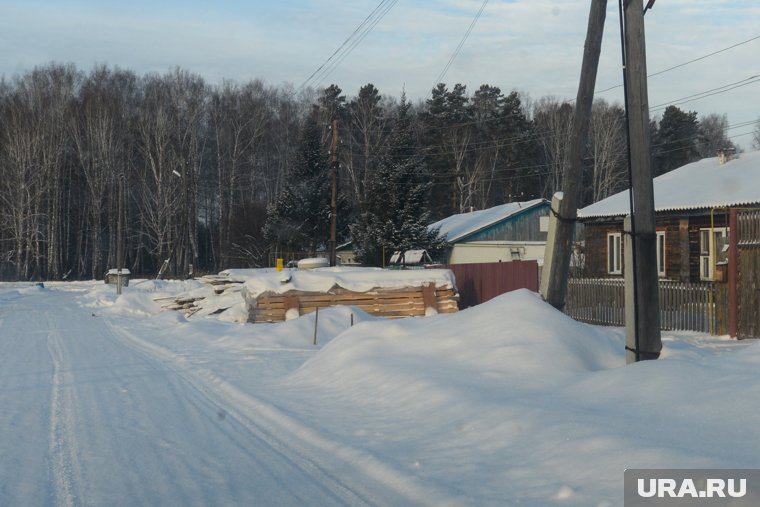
661, 253
712, 248
614, 253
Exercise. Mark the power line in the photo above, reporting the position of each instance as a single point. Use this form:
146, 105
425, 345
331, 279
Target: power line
348, 45
345, 42
534, 136
358, 41
538, 166
570, 101
689, 62
709, 93
461, 44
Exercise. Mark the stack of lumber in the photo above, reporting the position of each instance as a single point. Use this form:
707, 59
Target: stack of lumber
219, 294
393, 303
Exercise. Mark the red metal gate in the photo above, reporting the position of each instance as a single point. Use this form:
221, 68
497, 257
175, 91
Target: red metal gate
478, 283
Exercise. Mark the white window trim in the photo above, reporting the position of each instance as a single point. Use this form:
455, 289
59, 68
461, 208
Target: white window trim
617, 245
661, 258
711, 257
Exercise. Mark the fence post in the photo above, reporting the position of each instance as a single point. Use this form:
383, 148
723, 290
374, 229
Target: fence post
316, 324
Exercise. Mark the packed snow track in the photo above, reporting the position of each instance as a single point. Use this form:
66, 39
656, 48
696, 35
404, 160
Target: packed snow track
94, 414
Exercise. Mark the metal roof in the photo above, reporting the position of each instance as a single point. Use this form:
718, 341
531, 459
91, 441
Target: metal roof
462, 225
700, 185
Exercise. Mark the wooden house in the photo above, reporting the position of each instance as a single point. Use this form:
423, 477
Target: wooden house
692, 205
504, 233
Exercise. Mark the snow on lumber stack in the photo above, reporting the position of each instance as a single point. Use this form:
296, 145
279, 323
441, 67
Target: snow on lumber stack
216, 296
277, 296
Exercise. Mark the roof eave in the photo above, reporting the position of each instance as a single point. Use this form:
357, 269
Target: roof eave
500, 220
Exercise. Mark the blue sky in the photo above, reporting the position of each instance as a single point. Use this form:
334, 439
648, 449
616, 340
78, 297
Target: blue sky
534, 46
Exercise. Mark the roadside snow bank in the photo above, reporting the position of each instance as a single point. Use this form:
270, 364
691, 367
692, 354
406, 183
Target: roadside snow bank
517, 404
516, 339
297, 333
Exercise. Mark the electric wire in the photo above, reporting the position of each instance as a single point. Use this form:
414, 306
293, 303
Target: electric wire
358, 41
461, 44
708, 93
345, 42
689, 62
348, 45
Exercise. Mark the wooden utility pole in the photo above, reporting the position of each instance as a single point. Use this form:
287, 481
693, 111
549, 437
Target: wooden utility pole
642, 299
334, 197
562, 222
120, 237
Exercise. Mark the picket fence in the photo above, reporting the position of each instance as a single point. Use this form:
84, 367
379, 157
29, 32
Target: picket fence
683, 306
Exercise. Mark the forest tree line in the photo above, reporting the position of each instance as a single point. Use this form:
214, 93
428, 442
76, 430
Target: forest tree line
233, 175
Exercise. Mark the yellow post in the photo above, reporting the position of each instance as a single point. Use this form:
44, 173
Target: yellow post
279, 264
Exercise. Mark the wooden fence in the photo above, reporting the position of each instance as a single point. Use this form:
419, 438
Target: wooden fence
683, 306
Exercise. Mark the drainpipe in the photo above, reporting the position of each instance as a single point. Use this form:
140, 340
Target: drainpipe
714, 266
733, 274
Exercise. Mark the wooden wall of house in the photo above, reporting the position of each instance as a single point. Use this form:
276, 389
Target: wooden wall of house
681, 245
674, 242
595, 248
522, 227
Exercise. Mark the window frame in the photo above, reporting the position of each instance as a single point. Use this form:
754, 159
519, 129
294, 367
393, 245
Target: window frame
615, 258
708, 254
661, 246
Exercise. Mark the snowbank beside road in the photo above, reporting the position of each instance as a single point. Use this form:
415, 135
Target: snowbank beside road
516, 403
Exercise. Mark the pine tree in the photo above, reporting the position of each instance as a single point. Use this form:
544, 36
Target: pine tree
395, 215
676, 142
299, 218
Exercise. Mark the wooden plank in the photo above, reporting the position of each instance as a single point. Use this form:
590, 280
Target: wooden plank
270, 297
428, 297
391, 303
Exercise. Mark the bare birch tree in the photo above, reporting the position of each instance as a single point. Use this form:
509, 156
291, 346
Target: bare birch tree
553, 122
607, 150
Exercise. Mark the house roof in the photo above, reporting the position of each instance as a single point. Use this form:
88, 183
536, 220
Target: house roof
456, 227
699, 185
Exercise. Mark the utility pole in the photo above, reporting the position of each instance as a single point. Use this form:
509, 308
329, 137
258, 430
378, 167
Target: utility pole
642, 298
120, 236
334, 197
565, 206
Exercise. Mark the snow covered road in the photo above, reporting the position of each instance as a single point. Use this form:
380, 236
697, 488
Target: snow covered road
95, 415
109, 401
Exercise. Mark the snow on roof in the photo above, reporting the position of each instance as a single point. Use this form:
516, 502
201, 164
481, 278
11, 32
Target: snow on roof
410, 257
115, 271
354, 279
702, 184
457, 227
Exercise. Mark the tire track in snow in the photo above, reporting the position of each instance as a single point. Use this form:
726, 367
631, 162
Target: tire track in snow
328, 461
63, 444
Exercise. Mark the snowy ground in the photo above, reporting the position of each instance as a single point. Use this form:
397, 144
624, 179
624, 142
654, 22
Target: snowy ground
109, 401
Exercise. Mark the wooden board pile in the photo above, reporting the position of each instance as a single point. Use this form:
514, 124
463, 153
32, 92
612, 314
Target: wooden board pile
393, 303
221, 294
